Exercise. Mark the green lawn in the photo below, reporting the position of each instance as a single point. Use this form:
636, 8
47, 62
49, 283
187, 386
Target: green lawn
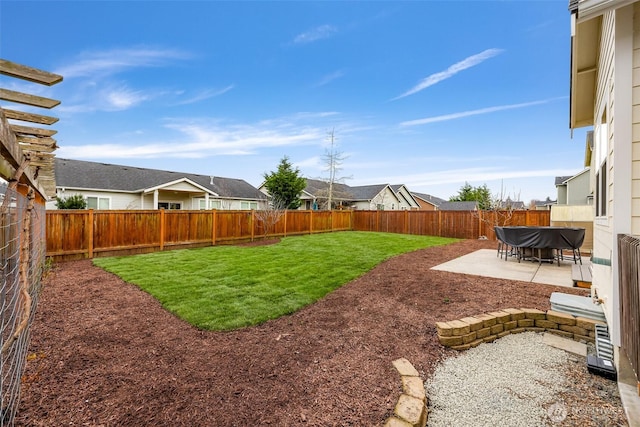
228, 287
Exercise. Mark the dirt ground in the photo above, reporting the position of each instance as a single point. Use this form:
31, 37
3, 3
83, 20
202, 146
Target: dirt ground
104, 353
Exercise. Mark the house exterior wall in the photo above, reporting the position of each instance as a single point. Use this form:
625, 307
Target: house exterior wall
602, 284
405, 199
578, 189
635, 150
562, 194
424, 206
613, 144
116, 200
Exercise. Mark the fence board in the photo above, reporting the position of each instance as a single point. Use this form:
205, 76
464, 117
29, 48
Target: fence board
629, 289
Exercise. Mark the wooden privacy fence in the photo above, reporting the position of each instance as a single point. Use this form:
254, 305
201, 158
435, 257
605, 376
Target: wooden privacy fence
74, 234
458, 224
629, 288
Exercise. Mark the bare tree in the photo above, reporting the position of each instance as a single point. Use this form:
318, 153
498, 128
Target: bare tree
333, 160
500, 210
271, 215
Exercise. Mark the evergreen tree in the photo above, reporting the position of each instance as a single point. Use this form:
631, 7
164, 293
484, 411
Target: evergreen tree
285, 185
469, 193
72, 202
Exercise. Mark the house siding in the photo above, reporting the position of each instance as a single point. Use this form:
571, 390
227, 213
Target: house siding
635, 149
578, 190
604, 102
117, 200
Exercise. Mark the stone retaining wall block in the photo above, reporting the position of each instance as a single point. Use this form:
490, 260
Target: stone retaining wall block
411, 410
535, 314
515, 313
561, 318
501, 316
474, 324
541, 323
487, 320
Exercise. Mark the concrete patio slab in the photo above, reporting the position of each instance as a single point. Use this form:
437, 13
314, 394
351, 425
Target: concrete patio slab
565, 344
484, 262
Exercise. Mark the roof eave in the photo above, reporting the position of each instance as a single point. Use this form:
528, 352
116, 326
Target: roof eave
585, 42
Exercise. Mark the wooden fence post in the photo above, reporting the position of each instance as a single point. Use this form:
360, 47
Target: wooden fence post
253, 224
286, 212
213, 226
311, 222
90, 233
439, 223
162, 224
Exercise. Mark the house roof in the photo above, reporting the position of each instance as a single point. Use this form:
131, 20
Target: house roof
458, 206
79, 174
318, 188
436, 201
367, 192
561, 180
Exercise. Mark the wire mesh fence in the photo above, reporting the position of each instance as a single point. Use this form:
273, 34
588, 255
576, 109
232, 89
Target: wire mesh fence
22, 260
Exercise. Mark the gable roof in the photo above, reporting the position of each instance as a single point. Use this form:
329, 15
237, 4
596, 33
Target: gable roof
367, 192
561, 180
79, 174
318, 188
436, 201
458, 206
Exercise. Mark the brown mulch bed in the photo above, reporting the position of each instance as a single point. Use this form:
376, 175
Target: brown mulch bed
103, 352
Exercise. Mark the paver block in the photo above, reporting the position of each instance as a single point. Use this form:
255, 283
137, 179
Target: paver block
534, 329
411, 410
449, 341
487, 320
476, 342
526, 323
396, 422
459, 327
484, 332
461, 347
405, 368
588, 324
584, 338
474, 324
561, 318
511, 325
496, 329
561, 333
469, 337
515, 313
501, 316
503, 334
518, 330
490, 338
532, 313
413, 386
444, 329
573, 329
548, 324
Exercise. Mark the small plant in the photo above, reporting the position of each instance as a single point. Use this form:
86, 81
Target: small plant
446, 300
72, 202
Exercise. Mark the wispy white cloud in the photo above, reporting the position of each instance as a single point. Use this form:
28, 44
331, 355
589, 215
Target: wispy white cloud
111, 97
454, 69
487, 110
205, 94
329, 78
108, 62
318, 33
203, 138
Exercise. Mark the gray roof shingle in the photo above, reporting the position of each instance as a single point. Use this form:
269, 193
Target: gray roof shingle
437, 201
102, 176
458, 206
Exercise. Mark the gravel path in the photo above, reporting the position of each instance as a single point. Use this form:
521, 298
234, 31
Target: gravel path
519, 381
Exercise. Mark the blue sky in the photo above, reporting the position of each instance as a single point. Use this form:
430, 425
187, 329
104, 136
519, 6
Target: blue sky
424, 93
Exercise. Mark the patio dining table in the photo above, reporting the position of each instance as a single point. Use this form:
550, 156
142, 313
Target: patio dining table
542, 238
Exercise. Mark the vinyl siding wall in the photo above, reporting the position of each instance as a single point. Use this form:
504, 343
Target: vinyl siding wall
602, 233
635, 152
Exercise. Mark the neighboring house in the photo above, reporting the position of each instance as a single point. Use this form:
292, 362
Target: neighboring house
107, 186
575, 190
605, 77
458, 206
374, 197
514, 205
427, 202
364, 197
543, 205
405, 198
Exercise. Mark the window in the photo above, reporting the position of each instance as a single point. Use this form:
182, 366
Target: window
601, 190
213, 204
248, 205
170, 205
601, 135
94, 202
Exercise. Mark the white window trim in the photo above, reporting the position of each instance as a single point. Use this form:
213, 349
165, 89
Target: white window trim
169, 202
87, 196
